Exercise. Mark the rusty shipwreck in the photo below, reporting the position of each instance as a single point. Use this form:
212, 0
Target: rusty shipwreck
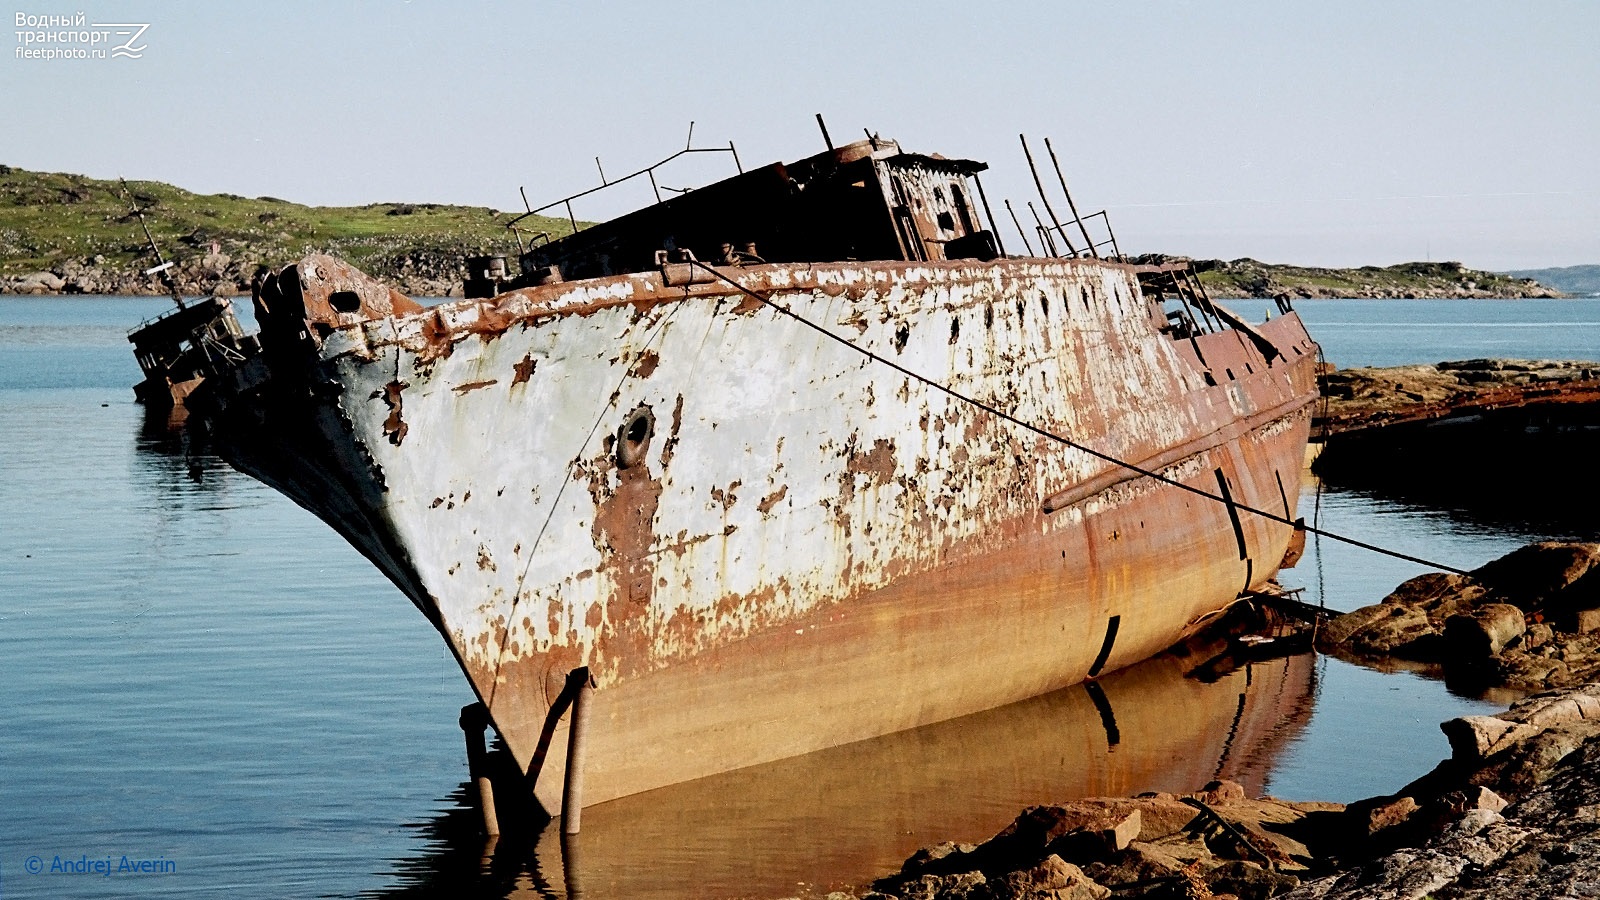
738, 455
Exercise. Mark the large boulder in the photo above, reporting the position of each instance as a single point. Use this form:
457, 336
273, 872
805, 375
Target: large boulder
1484, 631
1528, 620
1532, 576
39, 283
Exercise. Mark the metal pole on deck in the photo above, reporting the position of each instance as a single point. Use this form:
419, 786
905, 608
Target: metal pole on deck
1039, 186
824, 126
993, 225
1045, 239
1023, 234
474, 722
1071, 205
577, 732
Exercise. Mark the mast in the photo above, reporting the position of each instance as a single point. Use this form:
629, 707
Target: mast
162, 267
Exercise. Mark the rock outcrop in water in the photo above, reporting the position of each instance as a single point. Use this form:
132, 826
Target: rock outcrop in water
1364, 399
1215, 840
1529, 620
1514, 814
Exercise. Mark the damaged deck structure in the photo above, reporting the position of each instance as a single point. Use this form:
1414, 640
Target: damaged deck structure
755, 537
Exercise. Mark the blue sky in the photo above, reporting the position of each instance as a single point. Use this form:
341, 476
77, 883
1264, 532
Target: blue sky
1334, 134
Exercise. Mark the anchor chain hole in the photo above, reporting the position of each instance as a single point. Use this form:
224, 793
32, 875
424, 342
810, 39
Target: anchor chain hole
633, 438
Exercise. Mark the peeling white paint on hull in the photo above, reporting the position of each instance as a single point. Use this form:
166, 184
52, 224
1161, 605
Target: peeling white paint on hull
759, 541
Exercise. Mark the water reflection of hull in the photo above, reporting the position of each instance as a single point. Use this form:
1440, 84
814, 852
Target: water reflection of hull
848, 814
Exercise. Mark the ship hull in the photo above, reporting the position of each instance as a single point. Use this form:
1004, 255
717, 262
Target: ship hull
759, 541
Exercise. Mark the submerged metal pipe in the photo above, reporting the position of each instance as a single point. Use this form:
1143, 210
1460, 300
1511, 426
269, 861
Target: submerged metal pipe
474, 722
572, 866
577, 731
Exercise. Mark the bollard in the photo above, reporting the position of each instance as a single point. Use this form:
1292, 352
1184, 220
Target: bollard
577, 729
474, 721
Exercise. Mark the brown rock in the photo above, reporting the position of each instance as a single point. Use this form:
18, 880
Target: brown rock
1530, 762
1514, 668
1440, 594
1546, 710
1475, 738
927, 857
1161, 815
1530, 575
1140, 864
1381, 630
1217, 793
1479, 797
1083, 830
1388, 815
1053, 879
960, 886
1483, 632
1123, 830
1585, 621
1248, 881
1340, 629
1099, 837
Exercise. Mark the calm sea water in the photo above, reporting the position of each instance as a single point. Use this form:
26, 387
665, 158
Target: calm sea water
199, 674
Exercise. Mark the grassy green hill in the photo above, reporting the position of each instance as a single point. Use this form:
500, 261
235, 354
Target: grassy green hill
73, 234
1250, 278
80, 230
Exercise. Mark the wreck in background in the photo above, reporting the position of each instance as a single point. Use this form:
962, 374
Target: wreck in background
760, 538
179, 348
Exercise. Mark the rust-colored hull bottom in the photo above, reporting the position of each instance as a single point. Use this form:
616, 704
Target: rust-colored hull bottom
841, 817
997, 627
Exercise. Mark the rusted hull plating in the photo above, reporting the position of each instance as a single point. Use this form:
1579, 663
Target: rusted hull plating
760, 542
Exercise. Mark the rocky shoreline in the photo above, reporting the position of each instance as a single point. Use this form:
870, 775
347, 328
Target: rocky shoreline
1513, 813
1361, 399
415, 273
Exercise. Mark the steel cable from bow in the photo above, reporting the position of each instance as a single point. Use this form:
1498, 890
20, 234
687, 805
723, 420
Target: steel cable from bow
1068, 442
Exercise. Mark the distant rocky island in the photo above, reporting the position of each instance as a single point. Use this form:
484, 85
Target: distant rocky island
1578, 281
1412, 280
71, 234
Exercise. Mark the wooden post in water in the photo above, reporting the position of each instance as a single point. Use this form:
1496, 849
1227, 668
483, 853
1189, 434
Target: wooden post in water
474, 722
581, 685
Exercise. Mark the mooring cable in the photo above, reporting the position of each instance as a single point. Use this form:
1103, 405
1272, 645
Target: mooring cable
1298, 524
